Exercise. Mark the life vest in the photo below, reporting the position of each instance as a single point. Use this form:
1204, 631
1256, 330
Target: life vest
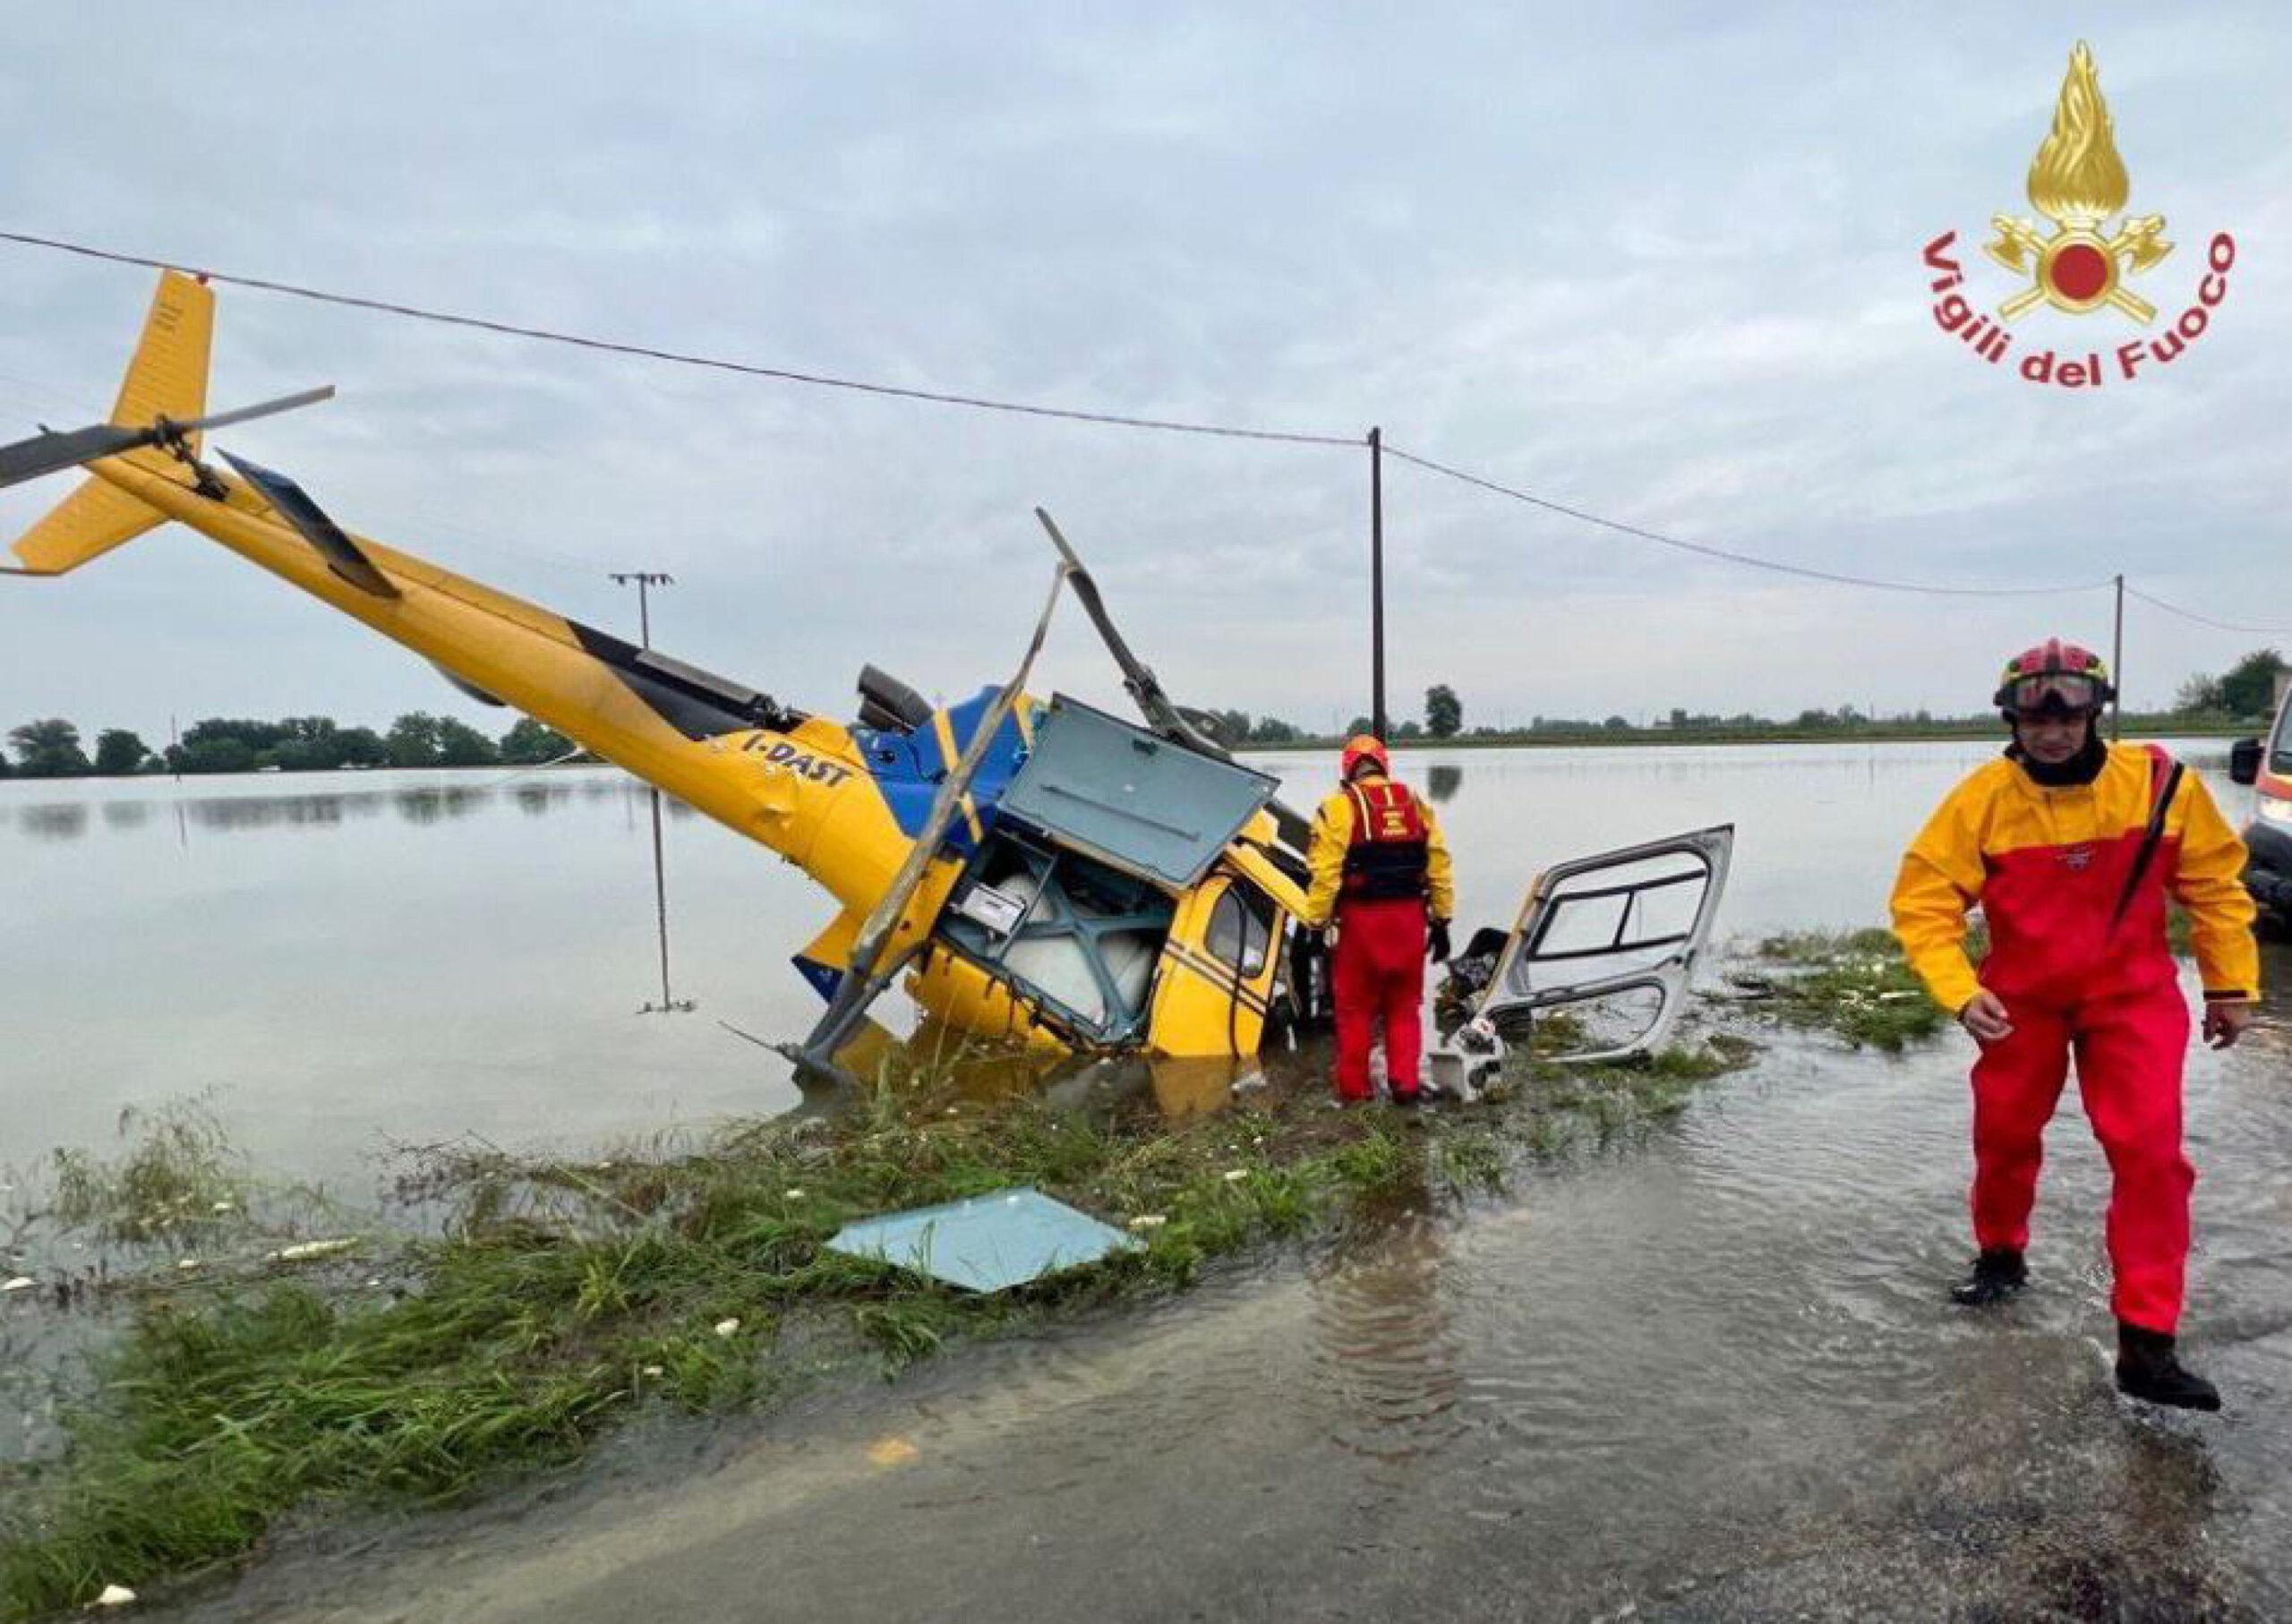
1385, 859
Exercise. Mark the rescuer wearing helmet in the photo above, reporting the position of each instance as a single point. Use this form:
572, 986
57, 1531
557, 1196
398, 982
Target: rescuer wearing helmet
2072, 846
1380, 867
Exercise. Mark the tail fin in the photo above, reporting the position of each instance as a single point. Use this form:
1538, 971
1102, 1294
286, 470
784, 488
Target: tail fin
166, 378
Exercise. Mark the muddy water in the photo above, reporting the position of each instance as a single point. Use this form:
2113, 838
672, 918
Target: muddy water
1705, 1375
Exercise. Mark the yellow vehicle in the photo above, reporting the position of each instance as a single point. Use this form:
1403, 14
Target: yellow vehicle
1037, 869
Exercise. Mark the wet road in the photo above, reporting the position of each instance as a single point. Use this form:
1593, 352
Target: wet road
1707, 1376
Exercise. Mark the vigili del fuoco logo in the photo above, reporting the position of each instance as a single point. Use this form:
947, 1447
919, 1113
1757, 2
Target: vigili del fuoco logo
2085, 266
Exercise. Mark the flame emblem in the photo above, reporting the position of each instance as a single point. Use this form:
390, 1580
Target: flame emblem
2077, 181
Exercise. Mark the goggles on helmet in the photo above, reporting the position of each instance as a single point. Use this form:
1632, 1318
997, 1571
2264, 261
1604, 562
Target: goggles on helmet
2054, 678
2054, 694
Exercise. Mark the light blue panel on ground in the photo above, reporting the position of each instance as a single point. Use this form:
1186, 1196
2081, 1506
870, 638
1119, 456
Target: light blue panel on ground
987, 1242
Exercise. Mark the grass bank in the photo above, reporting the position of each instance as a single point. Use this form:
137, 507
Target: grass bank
556, 1299
1857, 984
1853, 983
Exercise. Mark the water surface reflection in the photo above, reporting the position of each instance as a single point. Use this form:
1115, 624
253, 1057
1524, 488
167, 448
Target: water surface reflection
497, 976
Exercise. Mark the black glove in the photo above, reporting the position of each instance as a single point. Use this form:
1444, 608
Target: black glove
1436, 942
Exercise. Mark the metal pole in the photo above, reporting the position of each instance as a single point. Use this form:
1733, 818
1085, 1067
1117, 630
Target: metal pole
661, 900
2117, 666
1377, 582
644, 580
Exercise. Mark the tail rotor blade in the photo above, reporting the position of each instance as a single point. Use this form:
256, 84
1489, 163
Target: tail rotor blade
52, 453
266, 408
48, 452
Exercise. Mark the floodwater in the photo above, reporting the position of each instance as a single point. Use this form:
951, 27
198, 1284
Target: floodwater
338, 963
1705, 1375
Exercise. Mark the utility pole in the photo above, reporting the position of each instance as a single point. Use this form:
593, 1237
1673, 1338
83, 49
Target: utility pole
2116, 665
644, 580
1377, 582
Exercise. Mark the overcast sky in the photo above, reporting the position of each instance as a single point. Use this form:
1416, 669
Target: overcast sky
1660, 262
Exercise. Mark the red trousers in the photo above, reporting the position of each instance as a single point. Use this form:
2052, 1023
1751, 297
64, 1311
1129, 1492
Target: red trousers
1380, 971
2129, 1050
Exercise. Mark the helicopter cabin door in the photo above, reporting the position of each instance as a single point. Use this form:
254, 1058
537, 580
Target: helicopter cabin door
1597, 964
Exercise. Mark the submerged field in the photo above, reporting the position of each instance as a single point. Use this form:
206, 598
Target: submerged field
514, 1309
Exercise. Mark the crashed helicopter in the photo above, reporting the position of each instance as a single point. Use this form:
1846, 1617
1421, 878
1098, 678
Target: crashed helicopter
1034, 869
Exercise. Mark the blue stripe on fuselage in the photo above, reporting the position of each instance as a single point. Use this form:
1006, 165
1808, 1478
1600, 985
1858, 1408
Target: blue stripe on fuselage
909, 767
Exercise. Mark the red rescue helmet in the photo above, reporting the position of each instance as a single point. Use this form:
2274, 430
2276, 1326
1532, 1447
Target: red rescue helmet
1360, 749
2054, 678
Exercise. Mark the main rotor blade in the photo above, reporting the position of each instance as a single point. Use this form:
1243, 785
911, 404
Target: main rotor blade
265, 408
52, 453
1161, 713
291, 503
870, 971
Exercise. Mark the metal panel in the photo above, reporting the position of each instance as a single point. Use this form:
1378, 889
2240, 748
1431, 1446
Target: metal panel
1120, 793
988, 1243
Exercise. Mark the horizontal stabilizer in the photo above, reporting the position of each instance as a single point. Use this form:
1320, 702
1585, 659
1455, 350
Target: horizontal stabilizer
825, 960
85, 524
291, 503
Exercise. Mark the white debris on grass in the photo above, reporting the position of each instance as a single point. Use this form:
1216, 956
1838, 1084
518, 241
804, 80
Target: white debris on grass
115, 1595
1148, 1221
726, 1328
307, 1249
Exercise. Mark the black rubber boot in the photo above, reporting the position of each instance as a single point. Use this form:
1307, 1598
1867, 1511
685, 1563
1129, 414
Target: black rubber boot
1998, 1274
2146, 1368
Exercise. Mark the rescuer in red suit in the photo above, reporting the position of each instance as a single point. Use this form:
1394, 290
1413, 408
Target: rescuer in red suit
1381, 869
2072, 846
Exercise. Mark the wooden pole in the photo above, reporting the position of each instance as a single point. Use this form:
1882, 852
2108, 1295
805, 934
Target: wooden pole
1377, 582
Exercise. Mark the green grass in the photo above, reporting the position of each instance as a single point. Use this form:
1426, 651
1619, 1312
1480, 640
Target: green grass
1855, 983
562, 1297
179, 1176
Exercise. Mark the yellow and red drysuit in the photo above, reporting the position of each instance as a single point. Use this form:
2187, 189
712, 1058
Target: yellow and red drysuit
1379, 863
2048, 866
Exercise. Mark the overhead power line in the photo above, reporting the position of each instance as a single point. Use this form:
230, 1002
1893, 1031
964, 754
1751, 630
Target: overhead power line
681, 358
1748, 559
2174, 609
1113, 420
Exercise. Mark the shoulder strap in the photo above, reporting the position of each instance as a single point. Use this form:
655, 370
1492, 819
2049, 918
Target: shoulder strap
2161, 796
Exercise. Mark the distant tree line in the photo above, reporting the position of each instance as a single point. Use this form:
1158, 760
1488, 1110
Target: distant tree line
51, 748
2243, 695
2244, 692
